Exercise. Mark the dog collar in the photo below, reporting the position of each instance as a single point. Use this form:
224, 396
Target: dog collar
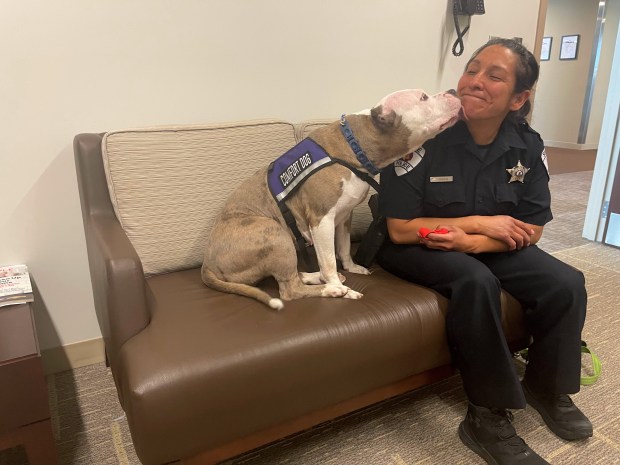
355, 146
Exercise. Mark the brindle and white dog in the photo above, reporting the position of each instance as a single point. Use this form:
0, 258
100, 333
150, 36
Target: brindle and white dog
250, 240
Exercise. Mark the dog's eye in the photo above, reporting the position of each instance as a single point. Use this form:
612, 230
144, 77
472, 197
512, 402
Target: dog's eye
424, 97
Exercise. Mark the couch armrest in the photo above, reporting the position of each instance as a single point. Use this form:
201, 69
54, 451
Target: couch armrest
116, 273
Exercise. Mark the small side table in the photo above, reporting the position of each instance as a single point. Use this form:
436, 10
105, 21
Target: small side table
25, 413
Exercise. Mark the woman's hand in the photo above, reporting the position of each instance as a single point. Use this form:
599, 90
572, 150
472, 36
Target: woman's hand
514, 233
454, 239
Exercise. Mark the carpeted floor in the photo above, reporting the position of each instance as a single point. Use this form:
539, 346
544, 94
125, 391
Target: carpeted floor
416, 428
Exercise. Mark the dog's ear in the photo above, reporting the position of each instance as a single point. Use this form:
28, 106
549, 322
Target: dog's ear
383, 120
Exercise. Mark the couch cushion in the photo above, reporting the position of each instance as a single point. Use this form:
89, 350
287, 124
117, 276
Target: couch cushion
168, 184
212, 367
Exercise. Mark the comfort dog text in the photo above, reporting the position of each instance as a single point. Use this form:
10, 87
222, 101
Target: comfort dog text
295, 168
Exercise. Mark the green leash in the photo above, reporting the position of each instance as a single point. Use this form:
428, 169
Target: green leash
584, 380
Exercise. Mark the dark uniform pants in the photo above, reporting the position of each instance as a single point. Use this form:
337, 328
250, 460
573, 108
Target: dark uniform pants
551, 292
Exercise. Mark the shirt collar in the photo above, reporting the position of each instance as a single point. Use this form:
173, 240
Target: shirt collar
508, 136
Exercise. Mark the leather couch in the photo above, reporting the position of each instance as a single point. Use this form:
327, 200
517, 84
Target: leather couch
203, 376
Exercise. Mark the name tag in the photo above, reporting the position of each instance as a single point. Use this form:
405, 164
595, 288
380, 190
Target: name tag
442, 179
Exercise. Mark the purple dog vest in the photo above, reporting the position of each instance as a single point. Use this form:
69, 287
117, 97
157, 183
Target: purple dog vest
289, 171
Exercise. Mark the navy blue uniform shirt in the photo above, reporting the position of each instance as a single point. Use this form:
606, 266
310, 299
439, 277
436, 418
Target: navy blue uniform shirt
450, 176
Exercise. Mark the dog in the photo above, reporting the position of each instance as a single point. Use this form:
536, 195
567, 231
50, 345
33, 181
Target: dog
250, 239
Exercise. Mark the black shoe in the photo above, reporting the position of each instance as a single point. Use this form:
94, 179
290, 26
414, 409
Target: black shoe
490, 434
559, 413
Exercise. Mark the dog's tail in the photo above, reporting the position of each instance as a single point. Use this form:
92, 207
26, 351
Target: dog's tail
209, 278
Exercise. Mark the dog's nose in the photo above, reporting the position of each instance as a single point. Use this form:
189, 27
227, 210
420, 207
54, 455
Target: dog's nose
451, 92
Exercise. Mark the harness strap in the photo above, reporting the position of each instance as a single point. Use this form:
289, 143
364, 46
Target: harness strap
300, 242
289, 171
360, 174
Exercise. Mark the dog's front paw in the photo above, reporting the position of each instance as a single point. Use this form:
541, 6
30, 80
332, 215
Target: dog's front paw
359, 269
335, 290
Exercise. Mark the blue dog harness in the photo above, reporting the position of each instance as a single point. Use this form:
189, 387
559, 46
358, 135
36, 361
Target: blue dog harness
289, 171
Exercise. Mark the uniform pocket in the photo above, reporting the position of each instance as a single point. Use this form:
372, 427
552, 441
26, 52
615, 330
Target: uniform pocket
445, 199
507, 197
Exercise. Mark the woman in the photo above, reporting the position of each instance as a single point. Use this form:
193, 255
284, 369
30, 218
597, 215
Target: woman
485, 183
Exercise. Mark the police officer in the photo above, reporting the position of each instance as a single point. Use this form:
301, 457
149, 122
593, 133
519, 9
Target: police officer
484, 184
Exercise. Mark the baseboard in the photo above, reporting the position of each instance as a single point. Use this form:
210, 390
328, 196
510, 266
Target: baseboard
570, 145
71, 356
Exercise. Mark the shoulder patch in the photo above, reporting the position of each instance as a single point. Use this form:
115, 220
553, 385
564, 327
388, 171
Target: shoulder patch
408, 162
543, 157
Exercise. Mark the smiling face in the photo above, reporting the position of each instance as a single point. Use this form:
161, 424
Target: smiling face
486, 88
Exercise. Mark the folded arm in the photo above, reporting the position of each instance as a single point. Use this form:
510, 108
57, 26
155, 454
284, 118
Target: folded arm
470, 234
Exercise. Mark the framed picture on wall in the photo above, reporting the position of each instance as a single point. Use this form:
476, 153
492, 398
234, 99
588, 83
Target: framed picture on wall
569, 47
545, 51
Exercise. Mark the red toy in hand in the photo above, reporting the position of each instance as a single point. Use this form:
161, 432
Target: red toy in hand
424, 232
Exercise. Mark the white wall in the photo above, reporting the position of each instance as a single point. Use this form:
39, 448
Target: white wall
562, 85
92, 65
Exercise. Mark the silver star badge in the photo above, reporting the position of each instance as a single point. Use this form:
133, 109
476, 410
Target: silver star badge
518, 172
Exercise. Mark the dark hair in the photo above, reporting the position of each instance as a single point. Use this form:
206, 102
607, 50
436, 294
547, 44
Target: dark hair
526, 73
